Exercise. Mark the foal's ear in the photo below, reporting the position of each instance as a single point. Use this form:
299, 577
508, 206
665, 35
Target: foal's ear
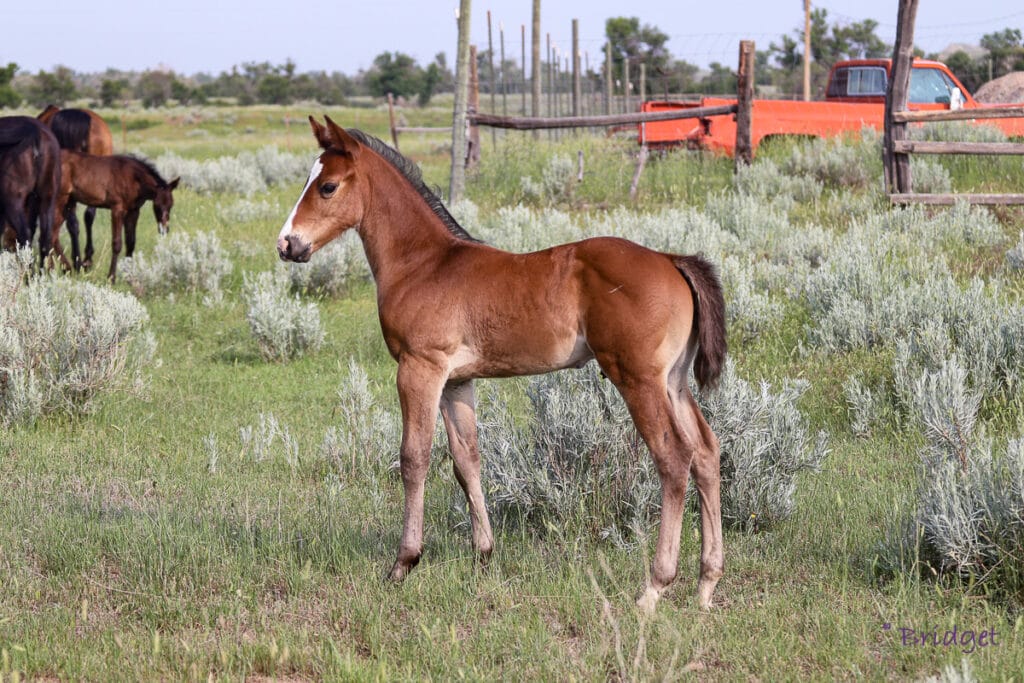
334, 137
174, 183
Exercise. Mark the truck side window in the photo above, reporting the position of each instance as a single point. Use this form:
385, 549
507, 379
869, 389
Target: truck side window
857, 81
867, 81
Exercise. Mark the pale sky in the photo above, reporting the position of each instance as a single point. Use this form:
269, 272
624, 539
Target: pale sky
191, 36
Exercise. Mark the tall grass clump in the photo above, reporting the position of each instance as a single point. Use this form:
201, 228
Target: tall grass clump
180, 263
968, 518
63, 343
576, 453
283, 326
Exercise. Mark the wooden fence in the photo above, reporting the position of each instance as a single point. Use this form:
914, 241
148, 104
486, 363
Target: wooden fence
742, 110
897, 148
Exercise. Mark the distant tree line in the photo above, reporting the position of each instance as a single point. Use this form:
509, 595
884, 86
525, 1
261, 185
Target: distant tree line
779, 72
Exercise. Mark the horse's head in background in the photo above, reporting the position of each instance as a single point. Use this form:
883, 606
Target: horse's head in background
332, 201
163, 201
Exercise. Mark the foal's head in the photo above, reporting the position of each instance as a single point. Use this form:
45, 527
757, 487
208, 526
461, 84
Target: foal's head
163, 200
331, 202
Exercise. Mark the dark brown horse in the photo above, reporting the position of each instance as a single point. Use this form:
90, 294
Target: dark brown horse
81, 130
29, 180
453, 309
119, 183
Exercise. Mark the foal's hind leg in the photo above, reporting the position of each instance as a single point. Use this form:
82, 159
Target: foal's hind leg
706, 469
457, 409
654, 414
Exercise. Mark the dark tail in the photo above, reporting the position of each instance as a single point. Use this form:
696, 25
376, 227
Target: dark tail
707, 289
71, 126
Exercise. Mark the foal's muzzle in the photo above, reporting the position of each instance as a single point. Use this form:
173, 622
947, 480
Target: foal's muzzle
294, 248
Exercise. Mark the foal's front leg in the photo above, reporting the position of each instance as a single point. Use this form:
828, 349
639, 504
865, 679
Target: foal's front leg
116, 223
419, 390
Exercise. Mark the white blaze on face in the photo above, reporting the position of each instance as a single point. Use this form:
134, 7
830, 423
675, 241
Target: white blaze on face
314, 173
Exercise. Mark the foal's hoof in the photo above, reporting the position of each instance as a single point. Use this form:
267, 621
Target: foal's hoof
648, 600
400, 570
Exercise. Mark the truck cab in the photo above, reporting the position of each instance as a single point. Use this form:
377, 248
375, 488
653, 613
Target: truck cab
932, 84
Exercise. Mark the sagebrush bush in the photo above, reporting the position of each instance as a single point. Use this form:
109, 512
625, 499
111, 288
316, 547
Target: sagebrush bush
576, 457
180, 263
283, 326
365, 441
556, 182
1015, 255
64, 342
245, 174
577, 453
839, 162
968, 517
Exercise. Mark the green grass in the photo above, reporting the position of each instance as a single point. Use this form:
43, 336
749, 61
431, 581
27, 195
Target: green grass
123, 556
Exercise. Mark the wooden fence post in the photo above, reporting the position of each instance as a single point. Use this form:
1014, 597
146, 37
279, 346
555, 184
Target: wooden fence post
473, 152
895, 164
577, 90
457, 183
391, 118
608, 78
744, 104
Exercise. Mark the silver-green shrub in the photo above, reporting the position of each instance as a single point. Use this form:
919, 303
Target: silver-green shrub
366, 439
766, 444
839, 162
64, 342
577, 453
556, 184
332, 270
764, 179
246, 210
245, 174
929, 175
1015, 255
962, 131
180, 263
969, 512
283, 326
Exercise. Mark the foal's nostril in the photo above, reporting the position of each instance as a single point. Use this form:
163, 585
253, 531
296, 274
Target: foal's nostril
293, 248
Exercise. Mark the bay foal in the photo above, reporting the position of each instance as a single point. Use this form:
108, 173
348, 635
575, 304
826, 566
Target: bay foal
453, 309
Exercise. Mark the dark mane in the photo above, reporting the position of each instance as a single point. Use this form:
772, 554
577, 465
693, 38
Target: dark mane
71, 126
411, 172
149, 168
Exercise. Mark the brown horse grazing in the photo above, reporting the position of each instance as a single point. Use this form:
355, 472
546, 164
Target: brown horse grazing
29, 180
453, 309
119, 183
81, 130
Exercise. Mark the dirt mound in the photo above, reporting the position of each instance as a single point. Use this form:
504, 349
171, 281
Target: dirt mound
1002, 90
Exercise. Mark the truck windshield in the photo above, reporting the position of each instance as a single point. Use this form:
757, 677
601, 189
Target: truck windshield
932, 86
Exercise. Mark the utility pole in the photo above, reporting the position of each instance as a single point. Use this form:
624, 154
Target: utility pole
807, 50
535, 66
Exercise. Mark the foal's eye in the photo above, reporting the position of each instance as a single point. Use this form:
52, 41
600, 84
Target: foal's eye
327, 189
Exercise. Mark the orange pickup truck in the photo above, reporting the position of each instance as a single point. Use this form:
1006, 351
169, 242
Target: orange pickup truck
854, 98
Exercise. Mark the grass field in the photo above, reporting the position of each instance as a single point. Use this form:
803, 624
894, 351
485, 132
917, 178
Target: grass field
145, 541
